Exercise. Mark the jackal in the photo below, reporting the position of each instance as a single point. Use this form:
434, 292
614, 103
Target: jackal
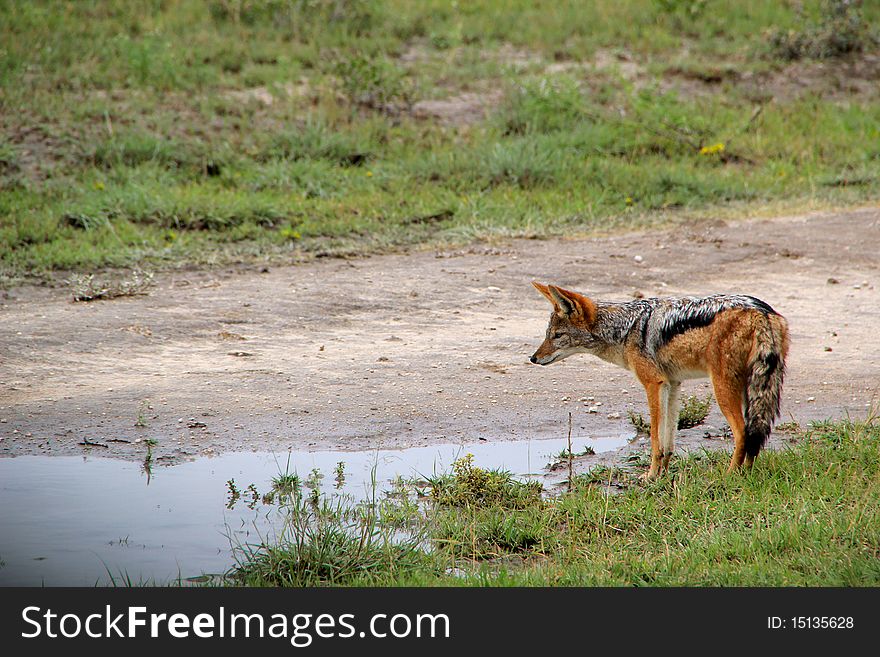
738, 341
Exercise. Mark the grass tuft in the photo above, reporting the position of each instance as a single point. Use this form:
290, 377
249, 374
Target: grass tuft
325, 542
542, 106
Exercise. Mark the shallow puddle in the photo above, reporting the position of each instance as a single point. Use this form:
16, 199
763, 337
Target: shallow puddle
81, 521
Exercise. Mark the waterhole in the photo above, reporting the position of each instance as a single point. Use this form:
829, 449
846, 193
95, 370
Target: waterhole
82, 521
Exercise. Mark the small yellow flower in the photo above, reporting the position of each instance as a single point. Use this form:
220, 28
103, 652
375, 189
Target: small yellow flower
711, 150
99, 185
629, 200
369, 174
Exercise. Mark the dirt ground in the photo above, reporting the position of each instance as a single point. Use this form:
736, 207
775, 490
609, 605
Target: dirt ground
428, 347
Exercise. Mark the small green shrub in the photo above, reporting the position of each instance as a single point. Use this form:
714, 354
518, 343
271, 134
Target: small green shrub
469, 485
841, 30
692, 413
542, 106
375, 82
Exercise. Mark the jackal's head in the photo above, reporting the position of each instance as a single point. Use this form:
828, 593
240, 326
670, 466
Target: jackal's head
569, 331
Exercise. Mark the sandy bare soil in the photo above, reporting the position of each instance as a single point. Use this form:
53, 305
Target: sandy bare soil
404, 350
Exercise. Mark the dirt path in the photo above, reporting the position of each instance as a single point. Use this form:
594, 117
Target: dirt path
406, 350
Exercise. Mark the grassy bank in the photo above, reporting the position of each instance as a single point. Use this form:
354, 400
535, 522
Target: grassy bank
209, 131
807, 515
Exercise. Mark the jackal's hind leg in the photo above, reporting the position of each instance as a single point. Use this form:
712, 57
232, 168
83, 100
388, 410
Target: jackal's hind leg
729, 396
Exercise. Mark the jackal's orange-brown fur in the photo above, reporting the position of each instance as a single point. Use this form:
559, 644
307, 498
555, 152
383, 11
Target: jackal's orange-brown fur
741, 347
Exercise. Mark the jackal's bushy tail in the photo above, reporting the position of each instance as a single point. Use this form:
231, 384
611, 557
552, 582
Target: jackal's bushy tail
764, 386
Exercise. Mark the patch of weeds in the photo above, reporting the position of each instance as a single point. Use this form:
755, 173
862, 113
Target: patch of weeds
314, 478
84, 221
400, 507
149, 60
692, 413
841, 30
87, 288
561, 460
376, 83
316, 140
286, 488
445, 40
196, 207
667, 126
565, 454
168, 177
837, 433
286, 484
141, 421
340, 475
638, 421
313, 483
136, 148
492, 532
469, 485
545, 105
329, 543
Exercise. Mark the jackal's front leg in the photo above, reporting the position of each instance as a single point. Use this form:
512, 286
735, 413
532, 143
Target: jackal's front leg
669, 393
657, 411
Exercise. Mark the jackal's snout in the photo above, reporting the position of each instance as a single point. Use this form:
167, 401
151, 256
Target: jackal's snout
544, 354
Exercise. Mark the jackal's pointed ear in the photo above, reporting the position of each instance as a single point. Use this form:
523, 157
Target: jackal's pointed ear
575, 305
543, 289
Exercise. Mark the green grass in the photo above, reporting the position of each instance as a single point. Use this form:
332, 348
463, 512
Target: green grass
204, 131
328, 543
806, 515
